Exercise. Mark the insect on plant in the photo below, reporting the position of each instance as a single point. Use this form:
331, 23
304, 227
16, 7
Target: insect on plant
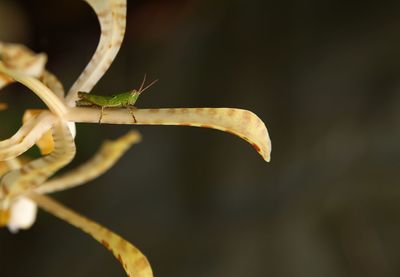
24, 182
121, 100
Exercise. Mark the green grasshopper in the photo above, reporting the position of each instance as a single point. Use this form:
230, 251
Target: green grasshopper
122, 100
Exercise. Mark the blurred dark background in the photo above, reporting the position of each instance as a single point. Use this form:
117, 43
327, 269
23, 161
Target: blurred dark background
323, 75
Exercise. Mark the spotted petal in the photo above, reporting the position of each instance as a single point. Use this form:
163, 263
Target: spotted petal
107, 156
112, 17
242, 123
19, 58
27, 136
133, 261
31, 175
55, 104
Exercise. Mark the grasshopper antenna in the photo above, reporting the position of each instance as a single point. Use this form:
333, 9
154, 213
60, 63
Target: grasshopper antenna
148, 86
143, 82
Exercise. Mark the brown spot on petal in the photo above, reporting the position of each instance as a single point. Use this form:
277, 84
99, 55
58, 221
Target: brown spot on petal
120, 259
5, 189
24, 170
212, 111
120, 5
154, 110
119, 42
246, 116
142, 264
106, 245
231, 112
256, 147
103, 13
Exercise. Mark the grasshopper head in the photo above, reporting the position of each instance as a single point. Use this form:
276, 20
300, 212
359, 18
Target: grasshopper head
82, 94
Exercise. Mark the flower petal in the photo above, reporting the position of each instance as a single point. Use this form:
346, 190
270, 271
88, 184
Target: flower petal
52, 82
31, 175
106, 157
242, 123
48, 97
21, 59
112, 17
133, 261
46, 142
26, 136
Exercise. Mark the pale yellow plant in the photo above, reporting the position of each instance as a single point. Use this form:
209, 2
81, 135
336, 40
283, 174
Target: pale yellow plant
23, 183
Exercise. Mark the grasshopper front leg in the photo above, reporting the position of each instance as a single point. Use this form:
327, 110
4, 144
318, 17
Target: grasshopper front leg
101, 114
130, 109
